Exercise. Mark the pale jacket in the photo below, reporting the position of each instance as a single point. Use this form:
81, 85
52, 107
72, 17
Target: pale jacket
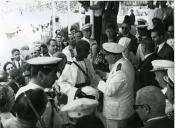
118, 91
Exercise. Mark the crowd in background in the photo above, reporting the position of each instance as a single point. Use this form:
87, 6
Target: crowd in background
124, 78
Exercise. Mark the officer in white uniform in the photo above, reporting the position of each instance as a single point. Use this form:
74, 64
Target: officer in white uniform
118, 88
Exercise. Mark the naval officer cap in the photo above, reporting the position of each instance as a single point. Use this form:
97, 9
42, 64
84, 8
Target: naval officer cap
86, 27
113, 48
159, 65
39, 61
80, 107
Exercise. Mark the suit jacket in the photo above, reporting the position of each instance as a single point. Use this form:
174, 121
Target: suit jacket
166, 52
160, 123
21, 63
146, 77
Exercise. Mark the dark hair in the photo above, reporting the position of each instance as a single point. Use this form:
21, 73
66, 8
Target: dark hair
6, 98
73, 27
111, 26
127, 19
5, 65
149, 44
80, 32
82, 45
43, 46
15, 73
89, 122
14, 50
46, 69
48, 42
159, 31
38, 100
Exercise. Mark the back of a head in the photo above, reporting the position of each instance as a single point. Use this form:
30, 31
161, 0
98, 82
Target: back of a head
82, 45
3, 76
38, 100
25, 47
89, 122
148, 44
15, 73
6, 98
153, 97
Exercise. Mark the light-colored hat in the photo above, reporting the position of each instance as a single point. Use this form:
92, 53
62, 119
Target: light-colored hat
86, 26
113, 48
90, 91
44, 60
124, 41
170, 78
80, 107
142, 26
162, 65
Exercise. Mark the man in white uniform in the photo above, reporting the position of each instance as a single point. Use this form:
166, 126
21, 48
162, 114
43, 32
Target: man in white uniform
118, 88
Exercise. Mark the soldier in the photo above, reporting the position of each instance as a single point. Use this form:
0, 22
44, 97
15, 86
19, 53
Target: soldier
118, 88
43, 75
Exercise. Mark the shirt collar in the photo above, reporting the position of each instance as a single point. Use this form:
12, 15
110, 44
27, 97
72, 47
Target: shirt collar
156, 118
160, 46
146, 56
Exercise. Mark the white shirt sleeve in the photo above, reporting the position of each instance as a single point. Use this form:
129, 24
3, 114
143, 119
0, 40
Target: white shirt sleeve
113, 84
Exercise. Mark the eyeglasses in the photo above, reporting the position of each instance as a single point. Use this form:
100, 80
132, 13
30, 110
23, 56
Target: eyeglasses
141, 106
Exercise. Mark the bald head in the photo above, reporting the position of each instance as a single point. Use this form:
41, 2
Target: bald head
153, 97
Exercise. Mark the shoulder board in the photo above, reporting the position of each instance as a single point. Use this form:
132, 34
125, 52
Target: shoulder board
119, 66
69, 62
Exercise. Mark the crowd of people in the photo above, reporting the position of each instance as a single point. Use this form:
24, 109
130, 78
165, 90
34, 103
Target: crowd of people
125, 81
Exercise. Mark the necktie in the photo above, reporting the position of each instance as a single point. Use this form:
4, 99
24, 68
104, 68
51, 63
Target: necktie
18, 64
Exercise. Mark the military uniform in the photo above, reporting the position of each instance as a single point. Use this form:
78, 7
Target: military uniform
118, 93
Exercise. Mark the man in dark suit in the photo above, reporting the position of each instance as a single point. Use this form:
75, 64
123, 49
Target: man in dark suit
16, 60
150, 105
163, 50
145, 76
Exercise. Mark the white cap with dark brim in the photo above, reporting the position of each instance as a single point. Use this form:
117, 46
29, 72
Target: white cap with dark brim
86, 26
161, 65
113, 48
44, 60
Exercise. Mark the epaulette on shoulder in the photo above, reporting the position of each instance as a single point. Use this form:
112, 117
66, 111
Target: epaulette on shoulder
69, 62
119, 66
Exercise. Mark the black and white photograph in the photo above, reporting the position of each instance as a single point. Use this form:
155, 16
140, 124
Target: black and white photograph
87, 64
